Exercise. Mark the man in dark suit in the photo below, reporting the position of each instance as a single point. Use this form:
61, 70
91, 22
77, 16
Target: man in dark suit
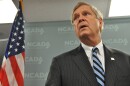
79, 67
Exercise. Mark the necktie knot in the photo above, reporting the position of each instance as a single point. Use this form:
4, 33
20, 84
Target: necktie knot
95, 49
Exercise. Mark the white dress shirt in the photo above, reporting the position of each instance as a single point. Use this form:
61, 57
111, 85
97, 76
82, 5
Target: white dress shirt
100, 54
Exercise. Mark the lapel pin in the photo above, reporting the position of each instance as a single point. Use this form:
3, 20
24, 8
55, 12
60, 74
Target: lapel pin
112, 58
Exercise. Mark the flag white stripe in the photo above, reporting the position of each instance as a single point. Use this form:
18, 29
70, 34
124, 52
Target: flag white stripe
3, 62
20, 62
0, 83
10, 75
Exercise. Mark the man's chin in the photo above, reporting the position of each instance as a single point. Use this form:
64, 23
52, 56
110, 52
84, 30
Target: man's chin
83, 35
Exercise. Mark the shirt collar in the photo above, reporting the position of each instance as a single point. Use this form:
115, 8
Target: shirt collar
89, 48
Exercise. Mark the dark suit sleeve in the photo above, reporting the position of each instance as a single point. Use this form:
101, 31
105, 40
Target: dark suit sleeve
54, 78
129, 60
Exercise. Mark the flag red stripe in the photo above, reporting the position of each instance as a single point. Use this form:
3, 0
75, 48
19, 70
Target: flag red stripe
4, 81
16, 71
23, 54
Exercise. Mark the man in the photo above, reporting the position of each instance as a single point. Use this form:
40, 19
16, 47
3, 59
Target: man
92, 63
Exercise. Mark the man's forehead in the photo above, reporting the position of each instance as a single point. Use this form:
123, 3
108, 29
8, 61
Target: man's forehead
82, 8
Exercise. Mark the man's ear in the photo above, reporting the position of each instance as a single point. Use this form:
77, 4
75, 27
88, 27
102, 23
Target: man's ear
101, 23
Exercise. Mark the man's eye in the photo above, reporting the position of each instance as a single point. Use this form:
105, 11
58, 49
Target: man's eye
75, 17
85, 13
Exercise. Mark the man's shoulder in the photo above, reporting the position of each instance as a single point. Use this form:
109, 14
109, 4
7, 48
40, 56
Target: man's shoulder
119, 52
67, 54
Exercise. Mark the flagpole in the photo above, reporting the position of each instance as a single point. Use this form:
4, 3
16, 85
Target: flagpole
21, 3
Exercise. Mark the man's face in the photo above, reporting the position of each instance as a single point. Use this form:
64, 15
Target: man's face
85, 22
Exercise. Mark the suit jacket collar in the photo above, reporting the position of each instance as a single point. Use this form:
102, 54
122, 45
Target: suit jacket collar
110, 67
82, 62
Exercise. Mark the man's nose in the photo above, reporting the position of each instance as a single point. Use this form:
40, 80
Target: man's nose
81, 19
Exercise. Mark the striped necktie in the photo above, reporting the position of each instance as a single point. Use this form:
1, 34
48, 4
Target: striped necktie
98, 68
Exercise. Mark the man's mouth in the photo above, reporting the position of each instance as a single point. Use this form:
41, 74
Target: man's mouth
83, 26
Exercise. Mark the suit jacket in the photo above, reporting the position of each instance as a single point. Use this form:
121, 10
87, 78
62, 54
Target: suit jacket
73, 69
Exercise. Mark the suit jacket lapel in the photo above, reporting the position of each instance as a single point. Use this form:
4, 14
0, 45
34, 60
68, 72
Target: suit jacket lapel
82, 62
110, 67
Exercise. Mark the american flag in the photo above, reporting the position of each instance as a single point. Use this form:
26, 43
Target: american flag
12, 70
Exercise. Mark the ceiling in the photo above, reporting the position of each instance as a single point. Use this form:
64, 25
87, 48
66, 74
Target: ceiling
57, 10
